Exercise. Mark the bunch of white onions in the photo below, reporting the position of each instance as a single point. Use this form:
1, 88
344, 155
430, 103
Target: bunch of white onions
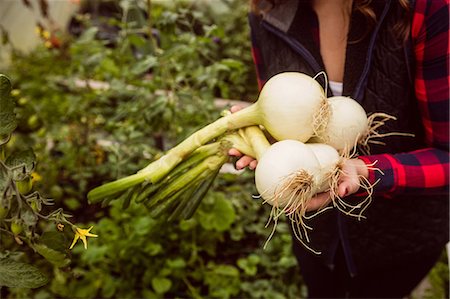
288, 114
293, 108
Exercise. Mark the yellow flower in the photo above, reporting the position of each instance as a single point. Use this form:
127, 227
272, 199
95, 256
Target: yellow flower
45, 34
35, 177
81, 233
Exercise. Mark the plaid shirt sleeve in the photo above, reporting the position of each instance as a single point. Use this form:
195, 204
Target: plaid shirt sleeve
425, 170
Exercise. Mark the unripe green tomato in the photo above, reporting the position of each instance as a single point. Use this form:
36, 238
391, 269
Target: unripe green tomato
12, 142
3, 212
56, 192
41, 132
2, 153
34, 206
16, 228
22, 101
25, 185
33, 122
15, 92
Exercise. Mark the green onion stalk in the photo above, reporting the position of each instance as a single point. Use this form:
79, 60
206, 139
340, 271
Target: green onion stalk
179, 194
159, 169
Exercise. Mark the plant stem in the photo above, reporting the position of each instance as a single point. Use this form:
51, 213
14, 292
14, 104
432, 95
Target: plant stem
257, 140
112, 188
189, 177
160, 167
194, 202
237, 141
153, 43
196, 157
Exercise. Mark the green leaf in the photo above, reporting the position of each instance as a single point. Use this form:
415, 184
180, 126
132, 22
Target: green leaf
232, 63
177, 263
72, 203
249, 264
135, 16
161, 284
26, 157
143, 225
136, 40
20, 275
108, 66
29, 218
8, 122
109, 286
153, 249
220, 217
226, 270
5, 90
144, 65
88, 35
95, 254
57, 258
223, 280
54, 240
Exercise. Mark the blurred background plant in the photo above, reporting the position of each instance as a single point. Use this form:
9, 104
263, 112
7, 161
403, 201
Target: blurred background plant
32, 231
127, 80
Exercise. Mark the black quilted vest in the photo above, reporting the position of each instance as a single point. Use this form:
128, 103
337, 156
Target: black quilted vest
379, 75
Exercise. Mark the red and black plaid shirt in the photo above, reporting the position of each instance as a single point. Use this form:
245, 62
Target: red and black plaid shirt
425, 170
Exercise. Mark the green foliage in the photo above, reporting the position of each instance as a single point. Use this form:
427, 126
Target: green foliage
20, 275
137, 256
20, 210
220, 216
438, 280
7, 116
98, 105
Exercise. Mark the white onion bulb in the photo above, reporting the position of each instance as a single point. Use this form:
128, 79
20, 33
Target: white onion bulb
289, 101
280, 163
347, 123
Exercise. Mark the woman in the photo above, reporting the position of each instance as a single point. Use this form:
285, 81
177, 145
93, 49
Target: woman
391, 56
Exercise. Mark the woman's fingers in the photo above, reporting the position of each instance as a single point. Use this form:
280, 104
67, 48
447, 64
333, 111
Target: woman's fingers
235, 108
244, 162
348, 186
234, 152
318, 201
349, 182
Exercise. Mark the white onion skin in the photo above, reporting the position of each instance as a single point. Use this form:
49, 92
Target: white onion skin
346, 124
329, 160
297, 98
280, 160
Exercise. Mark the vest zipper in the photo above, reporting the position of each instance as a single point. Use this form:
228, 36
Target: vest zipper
297, 46
357, 94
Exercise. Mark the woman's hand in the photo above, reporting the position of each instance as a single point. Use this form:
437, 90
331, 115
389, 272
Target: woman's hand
349, 183
244, 161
